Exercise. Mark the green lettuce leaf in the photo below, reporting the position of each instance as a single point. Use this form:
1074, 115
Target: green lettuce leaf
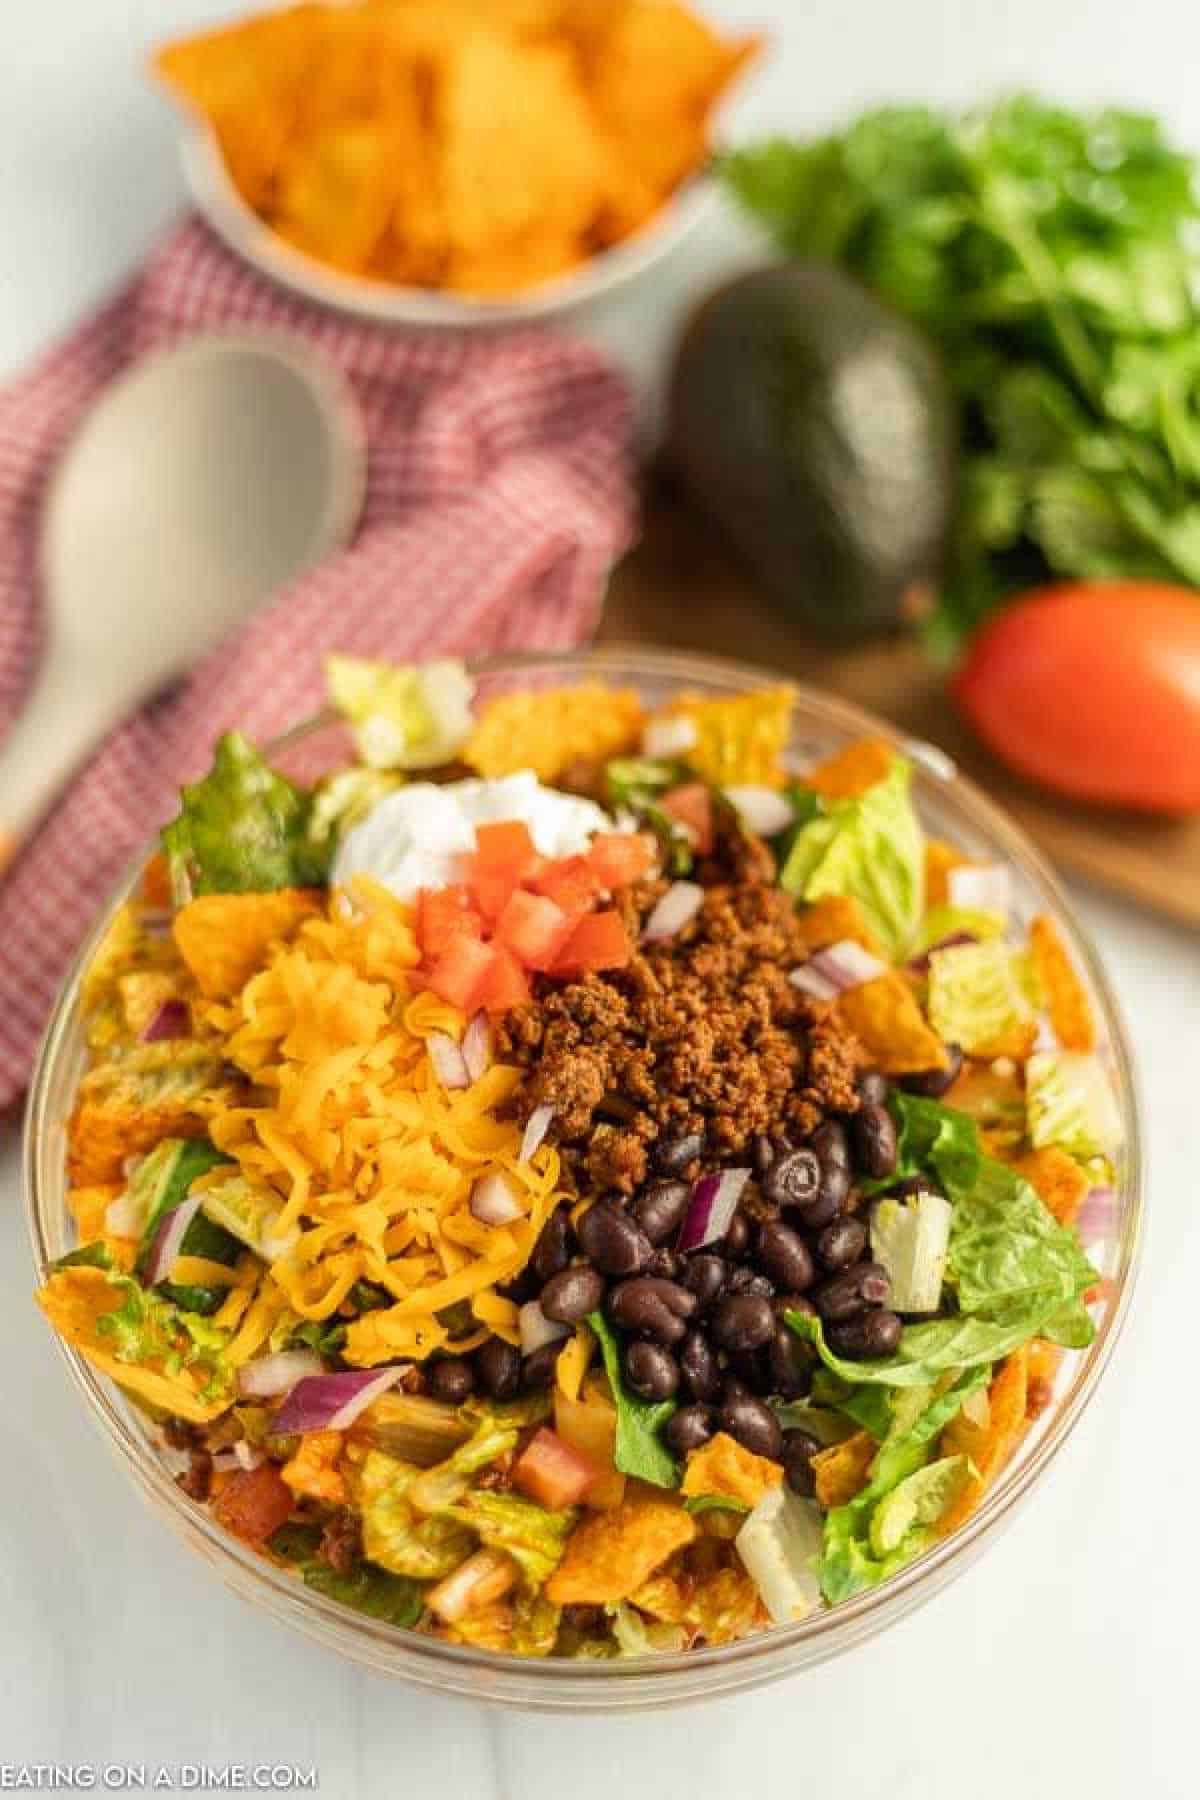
945, 921
532, 1535
640, 1450
910, 1238
976, 996
395, 1598
919, 1500
395, 1535
933, 1140
1008, 1250
410, 716
870, 847
242, 829
1070, 1102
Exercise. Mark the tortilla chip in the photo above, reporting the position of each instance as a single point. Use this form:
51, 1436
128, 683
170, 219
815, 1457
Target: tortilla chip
739, 741
549, 729
335, 193
988, 1446
612, 1553
940, 860
887, 1020
224, 938
1058, 1178
89, 1205
312, 1473
996, 1102
724, 1467
853, 770
103, 1134
1045, 1359
833, 919
74, 1300
841, 1470
1063, 993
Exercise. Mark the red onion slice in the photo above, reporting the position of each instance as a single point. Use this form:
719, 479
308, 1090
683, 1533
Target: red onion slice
836, 970
172, 1020
269, 1376
762, 810
983, 887
677, 908
332, 1402
536, 1329
711, 1208
672, 736
476, 1046
1097, 1216
535, 1130
449, 1063
492, 1201
168, 1239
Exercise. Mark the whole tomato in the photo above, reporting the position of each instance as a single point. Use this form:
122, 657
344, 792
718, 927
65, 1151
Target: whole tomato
1093, 688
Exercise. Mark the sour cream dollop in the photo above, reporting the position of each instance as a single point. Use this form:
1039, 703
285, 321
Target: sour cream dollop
415, 837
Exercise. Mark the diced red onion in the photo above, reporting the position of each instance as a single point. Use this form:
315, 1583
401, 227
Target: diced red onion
763, 810
536, 1329
168, 1239
677, 908
672, 736
172, 1020
836, 970
1097, 1216
449, 1063
711, 1208
332, 1402
982, 887
477, 1046
269, 1376
248, 1456
492, 1201
535, 1130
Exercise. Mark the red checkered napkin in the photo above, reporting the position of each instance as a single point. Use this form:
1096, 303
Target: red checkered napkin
498, 496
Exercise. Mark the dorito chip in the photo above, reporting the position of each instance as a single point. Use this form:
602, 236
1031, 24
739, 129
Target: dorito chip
888, 1022
739, 741
988, 1446
549, 730
725, 1468
223, 938
612, 1553
840, 1470
852, 771
312, 1472
1062, 991
335, 198
833, 919
940, 859
1058, 1179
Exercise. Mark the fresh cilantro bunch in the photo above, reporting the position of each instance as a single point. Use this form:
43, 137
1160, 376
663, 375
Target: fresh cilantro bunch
1049, 254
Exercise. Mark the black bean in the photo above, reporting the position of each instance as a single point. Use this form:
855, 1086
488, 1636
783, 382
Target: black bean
537, 1370
789, 1363
699, 1368
652, 1307
842, 1243
688, 1428
866, 1284
552, 1251
675, 1154
523, 1287
498, 1366
832, 1195
612, 1241
666, 1264
762, 1153
651, 1371
705, 1275
873, 1087
799, 1448
737, 1238
875, 1141
870, 1334
659, 1209
786, 1303
451, 1378
753, 1424
831, 1144
933, 1083
743, 1322
793, 1179
572, 1294
784, 1255
748, 1281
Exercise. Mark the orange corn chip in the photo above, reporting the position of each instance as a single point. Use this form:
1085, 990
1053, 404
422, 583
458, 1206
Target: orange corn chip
988, 1446
88, 1206
940, 859
612, 1553
840, 1471
1065, 996
725, 1467
74, 1301
106, 1130
223, 938
548, 730
996, 1102
1044, 1362
834, 918
1058, 1178
853, 770
313, 1473
885, 1017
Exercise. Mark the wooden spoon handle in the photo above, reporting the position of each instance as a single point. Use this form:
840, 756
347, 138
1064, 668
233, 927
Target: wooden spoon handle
72, 706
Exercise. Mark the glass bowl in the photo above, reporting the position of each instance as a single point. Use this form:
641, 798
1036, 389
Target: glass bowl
950, 807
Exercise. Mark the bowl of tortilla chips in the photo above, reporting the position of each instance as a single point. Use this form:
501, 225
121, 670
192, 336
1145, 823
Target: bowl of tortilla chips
476, 162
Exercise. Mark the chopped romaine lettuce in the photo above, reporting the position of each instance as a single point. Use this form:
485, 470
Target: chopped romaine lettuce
636, 1635
870, 847
780, 1544
1070, 1102
403, 717
920, 1500
1007, 1248
395, 1598
639, 1450
243, 829
533, 1536
341, 801
395, 1534
635, 785
934, 1141
945, 921
441, 1487
249, 1213
976, 996
910, 1239
159, 1185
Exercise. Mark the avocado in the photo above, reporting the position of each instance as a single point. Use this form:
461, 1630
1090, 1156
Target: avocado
818, 429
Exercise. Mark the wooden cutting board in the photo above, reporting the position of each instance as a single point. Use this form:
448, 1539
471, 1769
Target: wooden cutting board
683, 587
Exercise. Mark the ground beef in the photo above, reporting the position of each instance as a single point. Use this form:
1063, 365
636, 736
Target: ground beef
703, 1032
341, 1542
196, 1479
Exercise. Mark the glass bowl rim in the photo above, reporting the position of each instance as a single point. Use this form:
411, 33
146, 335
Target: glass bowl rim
652, 1679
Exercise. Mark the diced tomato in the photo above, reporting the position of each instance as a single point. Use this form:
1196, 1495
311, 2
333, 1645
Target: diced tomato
533, 928
443, 914
599, 941
622, 857
491, 890
505, 984
570, 881
551, 1472
691, 807
458, 974
506, 847
254, 1503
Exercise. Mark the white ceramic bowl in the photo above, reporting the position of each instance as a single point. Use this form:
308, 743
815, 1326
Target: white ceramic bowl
244, 232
